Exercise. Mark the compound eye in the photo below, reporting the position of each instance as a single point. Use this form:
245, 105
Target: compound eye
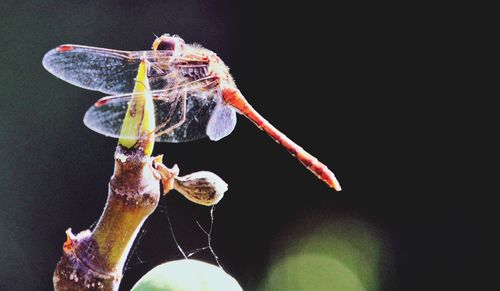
167, 45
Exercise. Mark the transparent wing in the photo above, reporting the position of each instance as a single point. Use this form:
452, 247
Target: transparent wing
99, 69
107, 114
222, 122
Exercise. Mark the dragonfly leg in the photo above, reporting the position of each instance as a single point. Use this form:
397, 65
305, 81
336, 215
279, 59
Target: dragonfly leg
159, 72
179, 123
170, 113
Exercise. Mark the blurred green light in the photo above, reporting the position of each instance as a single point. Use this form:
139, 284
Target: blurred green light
327, 253
312, 272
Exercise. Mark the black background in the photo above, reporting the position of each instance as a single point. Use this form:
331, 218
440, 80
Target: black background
370, 89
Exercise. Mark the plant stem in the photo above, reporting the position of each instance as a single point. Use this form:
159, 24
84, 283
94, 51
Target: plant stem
95, 260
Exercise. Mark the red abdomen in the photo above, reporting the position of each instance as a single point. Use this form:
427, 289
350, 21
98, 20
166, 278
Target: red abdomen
235, 99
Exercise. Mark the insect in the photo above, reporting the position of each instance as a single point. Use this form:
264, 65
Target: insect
194, 94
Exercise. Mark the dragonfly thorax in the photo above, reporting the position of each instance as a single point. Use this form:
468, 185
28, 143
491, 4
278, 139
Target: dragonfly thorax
190, 64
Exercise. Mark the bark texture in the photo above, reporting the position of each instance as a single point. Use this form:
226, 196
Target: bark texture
95, 260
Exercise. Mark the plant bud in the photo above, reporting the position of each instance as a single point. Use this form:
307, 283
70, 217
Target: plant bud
205, 188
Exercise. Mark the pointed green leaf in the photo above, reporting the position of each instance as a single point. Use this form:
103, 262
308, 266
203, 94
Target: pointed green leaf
139, 122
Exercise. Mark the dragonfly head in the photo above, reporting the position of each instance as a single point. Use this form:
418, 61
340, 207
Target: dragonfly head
169, 43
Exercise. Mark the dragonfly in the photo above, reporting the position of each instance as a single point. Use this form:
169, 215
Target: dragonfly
194, 94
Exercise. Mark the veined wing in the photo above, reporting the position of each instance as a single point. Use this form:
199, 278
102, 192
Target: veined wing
107, 114
106, 70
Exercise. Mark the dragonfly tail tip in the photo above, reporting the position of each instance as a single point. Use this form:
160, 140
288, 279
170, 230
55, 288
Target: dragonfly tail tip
334, 183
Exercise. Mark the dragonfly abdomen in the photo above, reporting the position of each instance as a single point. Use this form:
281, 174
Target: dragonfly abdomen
320, 170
